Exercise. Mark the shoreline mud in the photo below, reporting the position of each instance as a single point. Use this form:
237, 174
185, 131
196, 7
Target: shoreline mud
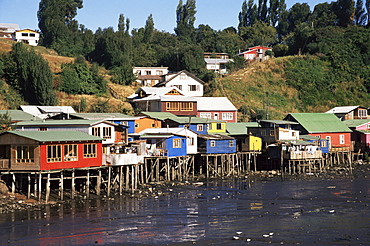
11, 202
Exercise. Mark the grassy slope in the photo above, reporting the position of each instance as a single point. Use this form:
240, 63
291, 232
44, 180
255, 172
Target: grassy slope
262, 84
116, 103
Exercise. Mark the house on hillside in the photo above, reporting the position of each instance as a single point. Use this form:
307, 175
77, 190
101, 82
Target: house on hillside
49, 150
149, 76
217, 108
323, 125
256, 53
350, 112
151, 120
186, 82
164, 99
26, 36
7, 30
217, 62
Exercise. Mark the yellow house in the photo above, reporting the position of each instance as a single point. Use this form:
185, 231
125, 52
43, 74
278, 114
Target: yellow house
217, 127
254, 143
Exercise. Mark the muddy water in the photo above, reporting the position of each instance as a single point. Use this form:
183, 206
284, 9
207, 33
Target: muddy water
233, 212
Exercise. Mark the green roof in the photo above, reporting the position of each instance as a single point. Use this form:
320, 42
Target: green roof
19, 115
59, 122
355, 123
96, 116
320, 122
158, 115
49, 136
194, 120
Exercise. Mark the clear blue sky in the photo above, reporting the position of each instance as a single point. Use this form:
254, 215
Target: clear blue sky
218, 14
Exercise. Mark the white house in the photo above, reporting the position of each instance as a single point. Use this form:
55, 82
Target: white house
188, 83
26, 36
149, 76
218, 108
7, 30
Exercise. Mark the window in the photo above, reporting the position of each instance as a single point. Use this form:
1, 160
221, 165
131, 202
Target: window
210, 126
183, 76
70, 152
323, 143
172, 106
43, 129
362, 113
96, 131
89, 150
54, 153
25, 154
227, 116
231, 143
219, 126
199, 127
193, 87
107, 132
147, 72
153, 125
159, 72
212, 143
179, 87
205, 115
176, 143
24, 34
186, 106
173, 92
32, 35
293, 134
136, 125
272, 133
341, 139
191, 141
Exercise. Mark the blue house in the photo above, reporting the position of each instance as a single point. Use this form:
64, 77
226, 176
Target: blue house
322, 143
165, 144
216, 144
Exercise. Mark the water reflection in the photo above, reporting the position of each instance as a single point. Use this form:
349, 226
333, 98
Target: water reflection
295, 212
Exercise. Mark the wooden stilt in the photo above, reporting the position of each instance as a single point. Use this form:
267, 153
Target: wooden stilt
109, 180
40, 185
29, 185
73, 184
98, 183
47, 188
88, 184
61, 180
120, 180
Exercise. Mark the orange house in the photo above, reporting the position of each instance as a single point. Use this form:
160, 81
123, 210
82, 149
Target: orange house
146, 122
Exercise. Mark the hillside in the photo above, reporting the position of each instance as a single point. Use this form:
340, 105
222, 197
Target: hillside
115, 100
289, 84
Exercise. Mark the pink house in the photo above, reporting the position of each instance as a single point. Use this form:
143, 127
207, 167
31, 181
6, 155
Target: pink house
360, 134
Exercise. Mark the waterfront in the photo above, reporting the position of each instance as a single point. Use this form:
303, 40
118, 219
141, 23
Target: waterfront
309, 211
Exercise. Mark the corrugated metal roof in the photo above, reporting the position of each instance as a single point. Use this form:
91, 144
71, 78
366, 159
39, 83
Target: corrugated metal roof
158, 115
193, 120
356, 123
19, 115
62, 122
52, 136
320, 122
107, 116
237, 128
214, 104
342, 109
215, 137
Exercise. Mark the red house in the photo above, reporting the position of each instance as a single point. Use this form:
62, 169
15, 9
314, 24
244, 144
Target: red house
323, 125
49, 150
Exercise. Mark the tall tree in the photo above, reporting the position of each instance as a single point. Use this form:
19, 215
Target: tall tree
248, 15
298, 13
57, 24
367, 6
275, 10
323, 15
360, 14
34, 78
345, 11
148, 29
185, 18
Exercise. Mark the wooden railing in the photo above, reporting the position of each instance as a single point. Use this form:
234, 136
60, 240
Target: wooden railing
300, 155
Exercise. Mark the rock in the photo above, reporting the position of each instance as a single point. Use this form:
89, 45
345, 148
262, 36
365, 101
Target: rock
3, 188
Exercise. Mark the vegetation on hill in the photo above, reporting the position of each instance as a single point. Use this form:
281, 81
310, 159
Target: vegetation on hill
321, 59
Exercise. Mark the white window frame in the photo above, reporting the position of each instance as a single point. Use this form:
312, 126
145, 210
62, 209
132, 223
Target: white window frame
341, 139
227, 116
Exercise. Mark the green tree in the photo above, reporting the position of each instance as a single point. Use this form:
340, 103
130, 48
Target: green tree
148, 29
298, 13
323, 15
34, 79
185, 18
5, 123
57, 25
345, 12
